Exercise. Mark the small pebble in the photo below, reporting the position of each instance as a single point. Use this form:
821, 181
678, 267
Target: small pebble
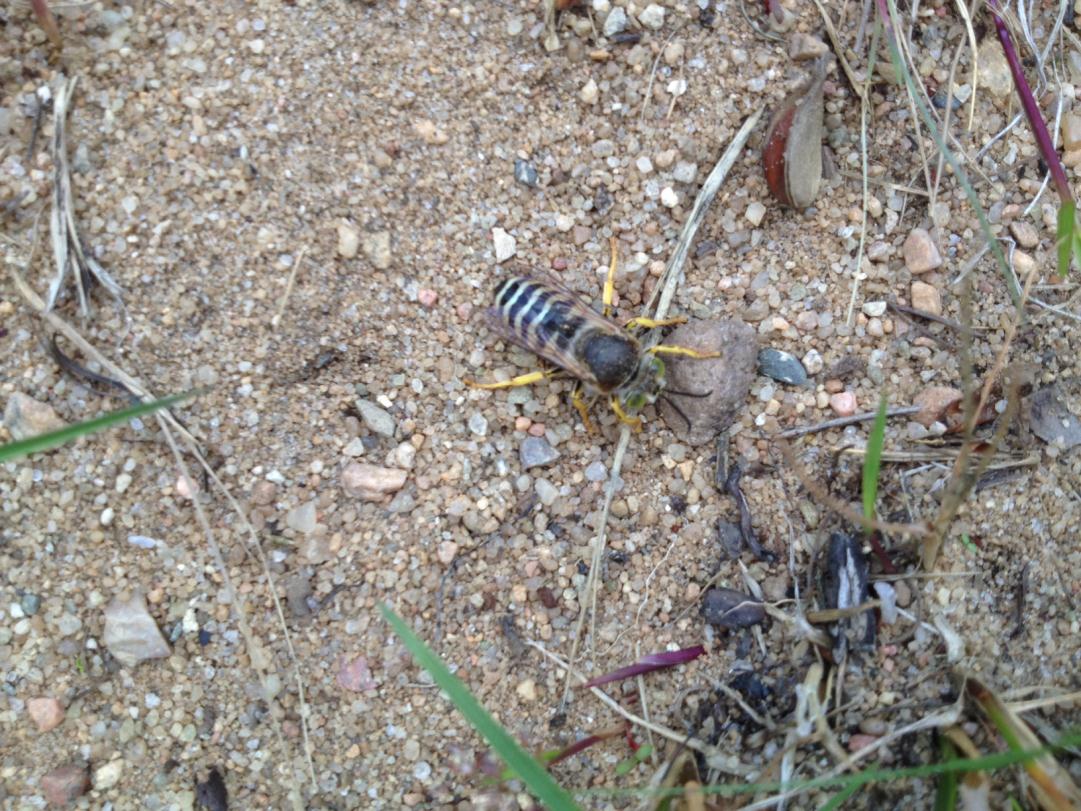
522, 423
589, 92
525, 173
25, 417
348, 240
427, 298
874, 309
546, 492
377, 248
1025, 234
370, 482
355, 675
813, 362
727, 608
644, 164
755, 213
933, 402
920, 252
302, 519
64, 784
926, 297
596, 472
778, 365
535, 451
615, 22
685, 172
669, 198
504, 244
377, 419
131, 634
802, 47
478, 424
46, 713
446, 552
652, 16
843, 403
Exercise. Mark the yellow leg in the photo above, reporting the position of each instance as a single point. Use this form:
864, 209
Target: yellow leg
514, 382
579, 401
624, 417
610, 280
665, 349
649, 323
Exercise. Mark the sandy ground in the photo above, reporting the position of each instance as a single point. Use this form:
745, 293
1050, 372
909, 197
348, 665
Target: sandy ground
215, 146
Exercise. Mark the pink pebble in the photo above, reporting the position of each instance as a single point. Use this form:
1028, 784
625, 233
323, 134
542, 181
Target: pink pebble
843, 403
559, 263
522, 424
860, 741
536, 429
427, 298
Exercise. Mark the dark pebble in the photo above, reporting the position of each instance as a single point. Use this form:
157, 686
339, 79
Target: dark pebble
728, 608
778, 365
524, 173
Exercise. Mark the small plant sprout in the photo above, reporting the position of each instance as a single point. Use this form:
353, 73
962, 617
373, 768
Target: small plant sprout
872, 464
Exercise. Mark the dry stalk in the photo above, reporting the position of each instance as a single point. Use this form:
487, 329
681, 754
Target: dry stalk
964, 475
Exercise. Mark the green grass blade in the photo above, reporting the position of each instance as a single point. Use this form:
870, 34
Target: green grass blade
842, 796
946, 794
872, 463
533, 774
42, 442
1067, 237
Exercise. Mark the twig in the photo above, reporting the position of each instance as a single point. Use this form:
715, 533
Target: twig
289, 287
841, 422
938, 319
859, 87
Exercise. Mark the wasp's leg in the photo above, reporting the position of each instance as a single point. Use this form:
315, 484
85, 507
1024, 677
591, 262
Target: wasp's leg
649, 323
667, 349
624, 417
610, 279
580, 402
514, 382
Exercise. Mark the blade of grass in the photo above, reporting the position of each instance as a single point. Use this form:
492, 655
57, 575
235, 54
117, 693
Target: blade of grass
533, 774
872, 464
43, 442
841, 797
946, 795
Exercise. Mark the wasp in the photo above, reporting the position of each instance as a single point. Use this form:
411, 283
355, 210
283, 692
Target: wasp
607, 360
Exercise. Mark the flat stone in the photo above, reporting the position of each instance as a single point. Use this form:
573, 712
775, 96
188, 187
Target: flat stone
726, 378
589, 92
755, 213
302, 519
926, 297
377, 419
596, 472
813, 362
25, 417
546, 492
920, 252
874, 309
728, 608
370, 482
46, 713
535, 451
131, 635
525, 173
64, 784
504, 244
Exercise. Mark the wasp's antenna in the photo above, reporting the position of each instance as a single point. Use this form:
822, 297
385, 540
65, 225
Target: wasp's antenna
688, 393
677, 409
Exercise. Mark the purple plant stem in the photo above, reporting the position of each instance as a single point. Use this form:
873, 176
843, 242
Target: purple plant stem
1032, 109
647, 664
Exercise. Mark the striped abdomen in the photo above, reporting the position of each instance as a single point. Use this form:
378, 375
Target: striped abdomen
559, 327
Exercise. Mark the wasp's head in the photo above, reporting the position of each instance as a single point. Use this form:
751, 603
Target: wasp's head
646, 385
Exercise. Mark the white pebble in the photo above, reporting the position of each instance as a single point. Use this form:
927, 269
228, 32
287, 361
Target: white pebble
669, 198
652, 16
505, 245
